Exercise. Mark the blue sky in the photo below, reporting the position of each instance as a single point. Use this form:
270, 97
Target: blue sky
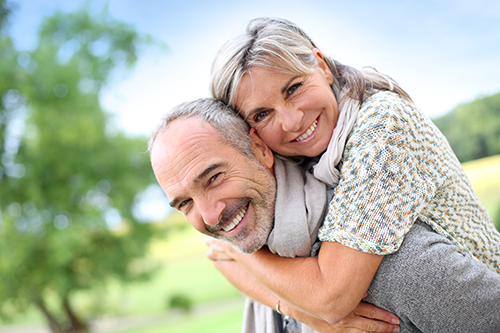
442, 52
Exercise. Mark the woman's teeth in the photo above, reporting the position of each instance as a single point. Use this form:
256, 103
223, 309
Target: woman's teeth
236, 220
309, 131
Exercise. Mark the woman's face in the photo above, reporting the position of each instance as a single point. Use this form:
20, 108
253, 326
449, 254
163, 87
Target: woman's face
294, 114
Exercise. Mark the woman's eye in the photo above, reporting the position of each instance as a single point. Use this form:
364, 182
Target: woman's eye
293, 88
260, 116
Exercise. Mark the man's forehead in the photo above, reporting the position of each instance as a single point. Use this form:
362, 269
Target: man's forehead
189, 125
185, 133
184, 150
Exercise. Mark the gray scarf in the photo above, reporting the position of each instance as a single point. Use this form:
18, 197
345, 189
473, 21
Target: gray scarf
300, 204
326, 170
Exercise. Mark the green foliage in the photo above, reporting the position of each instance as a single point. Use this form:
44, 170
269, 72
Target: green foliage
473, 129
11, 79
5, 10
70, 180
179, 301
183, 263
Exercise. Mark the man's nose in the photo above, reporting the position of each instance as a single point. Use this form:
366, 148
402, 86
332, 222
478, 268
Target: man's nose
211, 211
291, 119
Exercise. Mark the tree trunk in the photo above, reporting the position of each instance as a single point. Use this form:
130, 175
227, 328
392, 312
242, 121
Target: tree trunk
77, 326
53, 324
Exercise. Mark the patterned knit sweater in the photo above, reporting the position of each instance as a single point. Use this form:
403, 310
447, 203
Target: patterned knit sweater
396, 168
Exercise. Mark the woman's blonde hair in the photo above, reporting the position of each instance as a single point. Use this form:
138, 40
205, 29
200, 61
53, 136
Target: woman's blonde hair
281, 46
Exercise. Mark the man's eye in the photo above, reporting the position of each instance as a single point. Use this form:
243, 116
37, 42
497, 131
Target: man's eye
182, 204
214, 177
293, 88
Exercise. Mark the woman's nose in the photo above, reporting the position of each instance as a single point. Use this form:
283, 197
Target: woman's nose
291, 119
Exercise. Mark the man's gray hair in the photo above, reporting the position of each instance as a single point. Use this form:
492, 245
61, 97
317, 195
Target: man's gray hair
233, 129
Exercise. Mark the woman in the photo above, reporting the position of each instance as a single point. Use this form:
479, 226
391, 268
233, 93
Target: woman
303, 103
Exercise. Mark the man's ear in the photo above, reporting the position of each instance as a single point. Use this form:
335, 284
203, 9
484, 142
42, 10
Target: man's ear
261, 150
320, 59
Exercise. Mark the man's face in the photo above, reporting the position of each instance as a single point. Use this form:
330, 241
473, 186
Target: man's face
222, 193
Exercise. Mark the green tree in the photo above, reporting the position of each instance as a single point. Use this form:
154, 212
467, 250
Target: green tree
11, 79
70, 185
473, 129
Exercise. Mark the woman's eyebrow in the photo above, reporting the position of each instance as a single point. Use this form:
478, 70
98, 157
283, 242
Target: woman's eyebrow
254, 111
283, 90
287, 83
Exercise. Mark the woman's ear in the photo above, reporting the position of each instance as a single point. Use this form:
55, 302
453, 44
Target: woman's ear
320, 59
261, 150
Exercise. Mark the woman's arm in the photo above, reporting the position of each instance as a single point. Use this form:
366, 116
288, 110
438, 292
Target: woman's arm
328, 287
364, 318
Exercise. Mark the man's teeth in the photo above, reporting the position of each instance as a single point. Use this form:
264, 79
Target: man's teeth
309, 132
236, 220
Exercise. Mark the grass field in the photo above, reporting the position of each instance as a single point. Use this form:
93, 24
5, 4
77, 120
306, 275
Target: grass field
484, 175
185, 270
223, 320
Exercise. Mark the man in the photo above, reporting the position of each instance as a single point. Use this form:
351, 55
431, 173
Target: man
223, 183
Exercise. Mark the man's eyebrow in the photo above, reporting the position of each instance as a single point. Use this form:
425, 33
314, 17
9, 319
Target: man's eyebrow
283, 90
207, 170
175, 201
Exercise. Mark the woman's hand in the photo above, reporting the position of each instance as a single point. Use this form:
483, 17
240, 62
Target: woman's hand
219, 250
364, 318
369, 318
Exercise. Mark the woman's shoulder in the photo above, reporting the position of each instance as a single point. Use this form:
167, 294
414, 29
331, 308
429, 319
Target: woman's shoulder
387, 105
378, 107
383, 114
384, 98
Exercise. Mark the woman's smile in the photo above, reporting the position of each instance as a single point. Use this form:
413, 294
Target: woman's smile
309, 134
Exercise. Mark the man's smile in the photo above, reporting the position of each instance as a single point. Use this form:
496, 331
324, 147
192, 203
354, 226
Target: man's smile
236, 220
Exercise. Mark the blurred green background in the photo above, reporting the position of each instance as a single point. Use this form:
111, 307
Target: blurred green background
86, 241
